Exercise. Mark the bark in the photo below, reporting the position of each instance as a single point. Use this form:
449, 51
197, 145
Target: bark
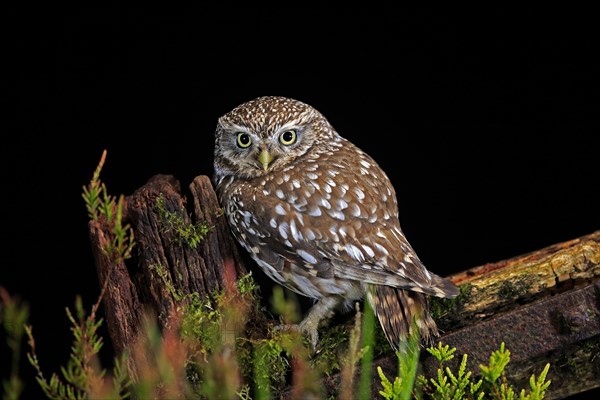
545, 306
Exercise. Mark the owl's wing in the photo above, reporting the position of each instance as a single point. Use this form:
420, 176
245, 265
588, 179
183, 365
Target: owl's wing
387, 258
341, 222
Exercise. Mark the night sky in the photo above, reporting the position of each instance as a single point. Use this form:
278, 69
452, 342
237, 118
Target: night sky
486, 121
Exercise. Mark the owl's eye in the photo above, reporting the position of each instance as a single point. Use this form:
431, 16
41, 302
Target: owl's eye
288, 137
243, 140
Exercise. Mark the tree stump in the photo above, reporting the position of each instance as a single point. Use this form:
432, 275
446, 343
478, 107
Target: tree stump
164, 268
544, 305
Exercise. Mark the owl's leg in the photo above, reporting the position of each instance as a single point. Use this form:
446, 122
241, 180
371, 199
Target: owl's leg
320, 311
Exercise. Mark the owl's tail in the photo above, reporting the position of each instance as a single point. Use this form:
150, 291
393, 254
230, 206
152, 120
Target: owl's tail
400, 312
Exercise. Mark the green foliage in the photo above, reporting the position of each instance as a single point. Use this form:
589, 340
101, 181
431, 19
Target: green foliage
81, 378
498, 361
492, 383
92, 192
99, 203
270, 367
350, 357
202, 320
408, 358
213, 348
185, 233
215, 370
364, 388
538, 386
408, 362
391, 391
450, 307
13, 317
246, 285
121, 244
164, 275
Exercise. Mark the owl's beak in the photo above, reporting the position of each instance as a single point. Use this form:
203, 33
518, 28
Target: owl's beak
265, 158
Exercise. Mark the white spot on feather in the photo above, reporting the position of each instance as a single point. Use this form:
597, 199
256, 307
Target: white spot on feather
359, 193
283, 228
280, 210
325, 203
354, 252
382, 249
314, 212
309, 258
368, 250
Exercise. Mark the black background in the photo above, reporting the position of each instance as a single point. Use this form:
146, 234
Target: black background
486, 121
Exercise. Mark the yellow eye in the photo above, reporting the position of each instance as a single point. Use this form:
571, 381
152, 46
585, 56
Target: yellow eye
243, 140
288, 137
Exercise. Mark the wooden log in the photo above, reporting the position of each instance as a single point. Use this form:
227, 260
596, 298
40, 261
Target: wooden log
545, 307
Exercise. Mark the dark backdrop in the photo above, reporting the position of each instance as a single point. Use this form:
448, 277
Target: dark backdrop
486, 121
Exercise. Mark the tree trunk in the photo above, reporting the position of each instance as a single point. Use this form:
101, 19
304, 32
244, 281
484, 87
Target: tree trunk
544, 305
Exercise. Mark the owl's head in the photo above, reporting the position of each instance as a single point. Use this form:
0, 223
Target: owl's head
267, 134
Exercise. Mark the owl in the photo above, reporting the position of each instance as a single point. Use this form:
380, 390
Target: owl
320, 217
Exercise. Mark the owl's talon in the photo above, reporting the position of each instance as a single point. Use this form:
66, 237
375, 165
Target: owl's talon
311, 332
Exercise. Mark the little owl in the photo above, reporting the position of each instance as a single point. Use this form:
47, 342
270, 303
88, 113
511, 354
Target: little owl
320, 217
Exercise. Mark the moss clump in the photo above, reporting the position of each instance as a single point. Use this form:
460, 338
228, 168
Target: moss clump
448, 310
333, 341
184, 233
509, 291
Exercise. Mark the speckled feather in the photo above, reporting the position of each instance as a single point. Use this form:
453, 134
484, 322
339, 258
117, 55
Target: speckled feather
322, 220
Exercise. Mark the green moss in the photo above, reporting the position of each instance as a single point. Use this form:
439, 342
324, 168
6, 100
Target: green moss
184, 233
247, 286
202, 321
270, 365
443, 308
577, 362
511, 290
163, 273
333, 341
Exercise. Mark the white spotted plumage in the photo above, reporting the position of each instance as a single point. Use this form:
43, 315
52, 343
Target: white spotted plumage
319, 216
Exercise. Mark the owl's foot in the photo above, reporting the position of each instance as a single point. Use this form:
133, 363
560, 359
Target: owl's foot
310, 330
319, 312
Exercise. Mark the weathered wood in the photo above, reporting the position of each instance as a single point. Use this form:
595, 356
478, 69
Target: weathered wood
545, 307
218, 249
508, 284
121, 302
164, 268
